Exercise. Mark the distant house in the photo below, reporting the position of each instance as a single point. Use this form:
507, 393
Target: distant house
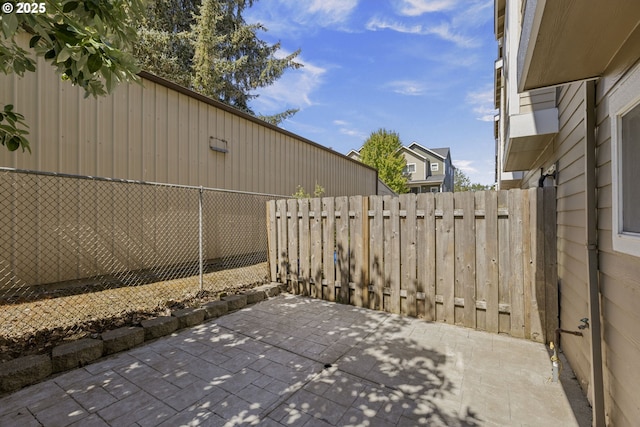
567, 86
429, 169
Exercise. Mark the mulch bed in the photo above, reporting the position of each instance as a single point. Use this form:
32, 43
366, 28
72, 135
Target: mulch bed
36, 327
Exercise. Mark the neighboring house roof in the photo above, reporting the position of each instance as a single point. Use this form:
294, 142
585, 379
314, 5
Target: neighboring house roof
413, 152
442, 153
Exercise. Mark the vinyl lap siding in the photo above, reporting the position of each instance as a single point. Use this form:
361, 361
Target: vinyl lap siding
619, 284
572, 263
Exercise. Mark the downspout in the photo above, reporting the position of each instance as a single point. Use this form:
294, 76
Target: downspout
597, 386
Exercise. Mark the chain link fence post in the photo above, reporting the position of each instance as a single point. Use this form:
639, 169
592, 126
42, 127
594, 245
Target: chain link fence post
201, 252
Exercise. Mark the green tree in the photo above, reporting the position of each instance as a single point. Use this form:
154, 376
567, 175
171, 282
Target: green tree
381, 151
207, 46
86, 41
461, 182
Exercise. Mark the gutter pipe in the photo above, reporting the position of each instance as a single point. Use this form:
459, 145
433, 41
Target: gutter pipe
597, 386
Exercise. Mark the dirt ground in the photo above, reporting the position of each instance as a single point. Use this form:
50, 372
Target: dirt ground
36, 327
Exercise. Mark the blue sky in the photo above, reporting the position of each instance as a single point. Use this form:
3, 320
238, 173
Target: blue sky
422, 68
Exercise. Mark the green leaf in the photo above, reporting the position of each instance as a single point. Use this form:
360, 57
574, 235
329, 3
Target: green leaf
94, 63
72, 5
35, 39
50, 54
14, 143
63, 55
8, 107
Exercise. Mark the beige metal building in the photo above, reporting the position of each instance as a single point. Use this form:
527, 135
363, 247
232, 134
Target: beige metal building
161, 132
568, 90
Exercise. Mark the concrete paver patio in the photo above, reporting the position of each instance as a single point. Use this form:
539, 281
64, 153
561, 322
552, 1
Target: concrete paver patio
296, 361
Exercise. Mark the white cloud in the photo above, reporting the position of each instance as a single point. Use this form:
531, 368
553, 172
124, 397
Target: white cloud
326, 12
465, 166
292, 90
345, 128
482, 104
408, 87
442, 30
294, 16
420, 7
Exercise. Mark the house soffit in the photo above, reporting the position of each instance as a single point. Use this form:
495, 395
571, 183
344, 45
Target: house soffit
566, 41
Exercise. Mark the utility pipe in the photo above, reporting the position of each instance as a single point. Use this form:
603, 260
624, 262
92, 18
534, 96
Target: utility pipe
597, 386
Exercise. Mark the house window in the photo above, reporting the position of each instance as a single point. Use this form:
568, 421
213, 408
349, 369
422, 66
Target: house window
625, 157
435, 167
435, 189
410, 168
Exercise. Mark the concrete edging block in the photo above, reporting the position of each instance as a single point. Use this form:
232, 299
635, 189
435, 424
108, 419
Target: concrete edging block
122, 339
24, 371
189, 317
159, 326
270, 290
215, 309
235, 302
255, 296
76, 354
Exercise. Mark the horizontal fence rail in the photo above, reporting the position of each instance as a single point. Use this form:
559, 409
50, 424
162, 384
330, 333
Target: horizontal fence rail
86, 248
483, 260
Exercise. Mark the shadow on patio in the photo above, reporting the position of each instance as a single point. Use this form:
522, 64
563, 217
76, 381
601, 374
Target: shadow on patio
297, 361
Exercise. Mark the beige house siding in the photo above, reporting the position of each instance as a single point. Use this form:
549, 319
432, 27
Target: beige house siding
567, 151
619, 285
160, 132
619, 273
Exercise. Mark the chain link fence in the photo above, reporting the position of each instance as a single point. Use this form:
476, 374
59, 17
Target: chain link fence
76, 252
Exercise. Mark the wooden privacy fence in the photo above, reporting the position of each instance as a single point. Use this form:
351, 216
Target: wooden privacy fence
484, 260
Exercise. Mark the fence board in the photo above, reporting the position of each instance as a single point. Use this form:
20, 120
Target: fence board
480, 260
445, 252
537, 253
342, 248
376, 241
292, 234
305, 247
491, 257
355, 229
468, 257
366, 278
328, 237
504, 262
426, 254
282, 241
516, 254
271, 240
394, 256
408, 253
316, 248
527, 260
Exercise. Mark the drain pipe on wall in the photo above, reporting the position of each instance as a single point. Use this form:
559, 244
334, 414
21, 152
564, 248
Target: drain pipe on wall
597, 386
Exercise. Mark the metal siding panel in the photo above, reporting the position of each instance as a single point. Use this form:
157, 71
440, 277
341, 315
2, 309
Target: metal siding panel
148, 129
173, 135
161, 133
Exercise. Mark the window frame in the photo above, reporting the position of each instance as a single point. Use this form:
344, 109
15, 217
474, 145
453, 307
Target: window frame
437, 167
414, 168
622, 100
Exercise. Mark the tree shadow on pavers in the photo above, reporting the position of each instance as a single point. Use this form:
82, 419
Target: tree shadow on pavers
373, 372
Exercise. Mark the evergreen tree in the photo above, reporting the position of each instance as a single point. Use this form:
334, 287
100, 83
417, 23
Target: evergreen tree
206, 45
380, 151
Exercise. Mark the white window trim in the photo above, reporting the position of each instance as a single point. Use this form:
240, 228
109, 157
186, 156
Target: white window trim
436, 168
623, 99
414, 167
